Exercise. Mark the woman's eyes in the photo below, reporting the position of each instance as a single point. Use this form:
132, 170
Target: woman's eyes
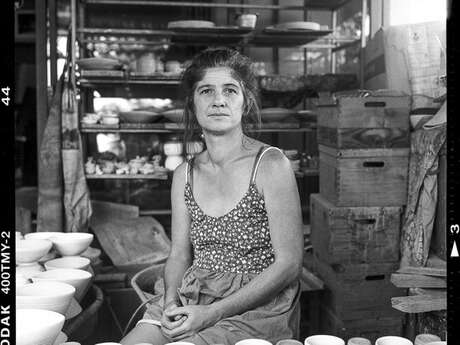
226, 91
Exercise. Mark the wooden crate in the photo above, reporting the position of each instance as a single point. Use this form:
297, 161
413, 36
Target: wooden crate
365, 122
354, 234
358, 291
370, 328
364, 177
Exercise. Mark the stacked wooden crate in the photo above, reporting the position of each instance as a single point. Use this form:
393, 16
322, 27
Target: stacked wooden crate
356, 219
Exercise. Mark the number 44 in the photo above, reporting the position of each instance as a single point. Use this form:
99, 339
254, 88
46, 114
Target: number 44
6, 92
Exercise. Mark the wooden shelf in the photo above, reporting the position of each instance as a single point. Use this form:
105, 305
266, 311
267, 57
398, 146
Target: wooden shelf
156, 176
309, 4
173, 127
217, 36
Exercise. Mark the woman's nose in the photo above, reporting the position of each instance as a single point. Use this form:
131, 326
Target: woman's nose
219, 99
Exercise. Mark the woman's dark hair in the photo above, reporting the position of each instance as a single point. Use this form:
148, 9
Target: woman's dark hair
241, 69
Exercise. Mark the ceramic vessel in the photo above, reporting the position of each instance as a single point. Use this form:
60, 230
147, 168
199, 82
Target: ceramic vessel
53, 296
289, 342
425, 338
323, 339
72, 243
76, 262
358, 341
29, 251
393, 340
29, 270
78, 278
253, 342
31, 332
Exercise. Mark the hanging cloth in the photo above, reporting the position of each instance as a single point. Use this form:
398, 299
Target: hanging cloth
50, 207
422, 195
77, 203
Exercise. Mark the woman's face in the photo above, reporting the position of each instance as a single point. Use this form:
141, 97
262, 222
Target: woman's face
218, 100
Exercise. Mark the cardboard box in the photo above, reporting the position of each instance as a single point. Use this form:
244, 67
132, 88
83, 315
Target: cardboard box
408, 58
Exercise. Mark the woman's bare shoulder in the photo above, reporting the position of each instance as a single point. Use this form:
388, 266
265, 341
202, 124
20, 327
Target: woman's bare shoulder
274, 167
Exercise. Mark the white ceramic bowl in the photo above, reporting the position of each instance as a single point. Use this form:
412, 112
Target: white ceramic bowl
438, 343
43, 235
31, 332
393, 340
76, 262
21, 280
79, 279
358, 341
289, 342
425, 338
54, 296
182, 343
72, 243
253, 342
172, 148
28, 251
29, 270
323, 339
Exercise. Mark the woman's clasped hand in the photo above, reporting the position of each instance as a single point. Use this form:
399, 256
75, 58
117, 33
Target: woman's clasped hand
181, 322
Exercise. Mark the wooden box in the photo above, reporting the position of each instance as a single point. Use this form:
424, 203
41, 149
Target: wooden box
358, 291
354, 234
364, 177
370, 328
365, 122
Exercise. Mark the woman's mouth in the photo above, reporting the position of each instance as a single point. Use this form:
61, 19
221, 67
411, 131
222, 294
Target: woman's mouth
218, 115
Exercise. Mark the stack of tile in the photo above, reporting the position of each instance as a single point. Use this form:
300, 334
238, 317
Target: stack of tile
356, 219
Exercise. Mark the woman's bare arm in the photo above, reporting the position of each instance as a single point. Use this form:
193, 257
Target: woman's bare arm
180, 257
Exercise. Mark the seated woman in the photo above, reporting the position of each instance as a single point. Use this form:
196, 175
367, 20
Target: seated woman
237, 243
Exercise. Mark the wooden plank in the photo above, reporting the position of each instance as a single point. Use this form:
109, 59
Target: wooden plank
417, 280
424, 291
104, 211
133, 241
419, 304
428, 271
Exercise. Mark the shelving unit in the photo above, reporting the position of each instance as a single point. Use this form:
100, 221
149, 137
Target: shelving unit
239, 38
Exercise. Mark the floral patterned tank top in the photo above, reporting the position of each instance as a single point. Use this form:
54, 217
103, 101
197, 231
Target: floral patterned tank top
238, 241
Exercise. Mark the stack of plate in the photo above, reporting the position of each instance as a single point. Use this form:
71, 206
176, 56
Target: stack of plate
99, 64
186, 24
298, 26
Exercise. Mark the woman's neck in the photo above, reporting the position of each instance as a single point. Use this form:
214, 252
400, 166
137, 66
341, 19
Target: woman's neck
223, 149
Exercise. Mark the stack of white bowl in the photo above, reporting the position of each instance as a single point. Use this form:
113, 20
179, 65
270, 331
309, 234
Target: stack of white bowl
54, 294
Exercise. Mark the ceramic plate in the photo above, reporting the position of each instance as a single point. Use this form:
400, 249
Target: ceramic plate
98, 64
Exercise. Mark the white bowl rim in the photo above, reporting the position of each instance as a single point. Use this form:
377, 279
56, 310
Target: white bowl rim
45, 235
81, 259
39, 311
72, 236
388, 337
27, 242
82, 274
253, 339
69, 289
327, 336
